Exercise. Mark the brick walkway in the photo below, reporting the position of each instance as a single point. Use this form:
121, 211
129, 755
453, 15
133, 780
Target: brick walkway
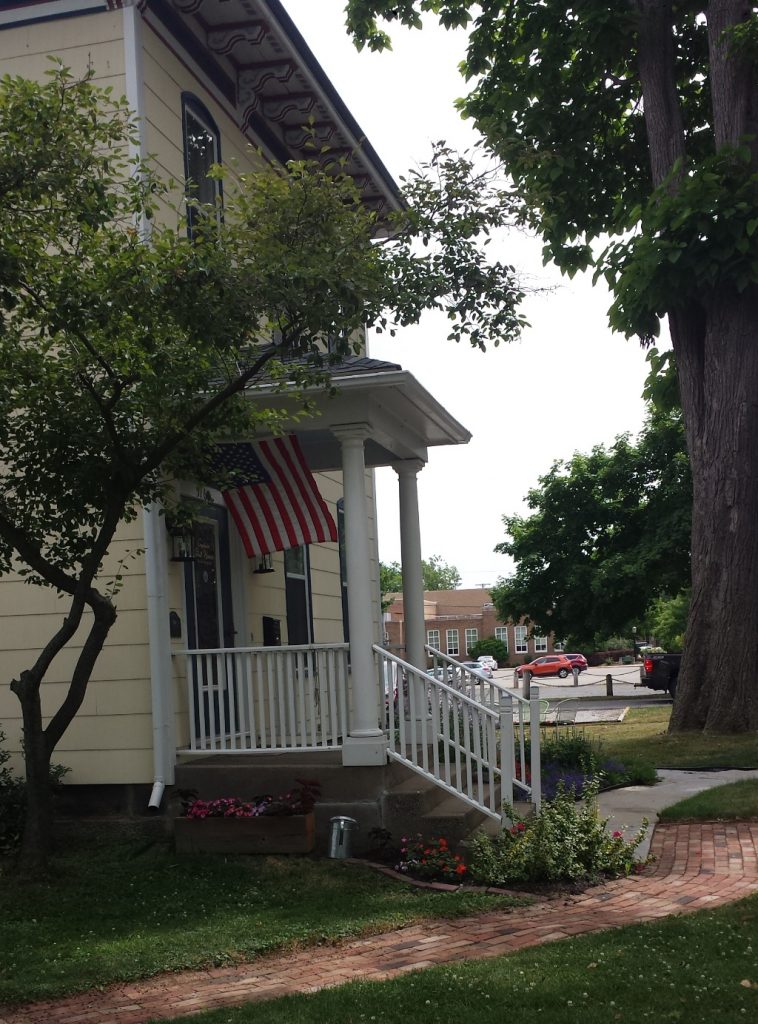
698, 866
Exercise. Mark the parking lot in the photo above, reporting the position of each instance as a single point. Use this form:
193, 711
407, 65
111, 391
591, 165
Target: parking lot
592, 684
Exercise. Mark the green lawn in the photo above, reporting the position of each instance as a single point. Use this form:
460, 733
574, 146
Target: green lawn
683, 969
642, 736
737, 800
122, 912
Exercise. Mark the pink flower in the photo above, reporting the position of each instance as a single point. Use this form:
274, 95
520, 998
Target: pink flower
617, 835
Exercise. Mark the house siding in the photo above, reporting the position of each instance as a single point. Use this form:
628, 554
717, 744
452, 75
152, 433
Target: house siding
111, 741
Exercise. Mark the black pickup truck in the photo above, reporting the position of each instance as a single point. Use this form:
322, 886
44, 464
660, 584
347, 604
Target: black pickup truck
660, 671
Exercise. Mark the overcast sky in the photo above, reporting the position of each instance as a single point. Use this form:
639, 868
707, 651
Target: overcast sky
567, 385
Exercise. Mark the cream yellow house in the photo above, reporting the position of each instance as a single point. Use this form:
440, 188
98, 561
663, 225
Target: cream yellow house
215, 656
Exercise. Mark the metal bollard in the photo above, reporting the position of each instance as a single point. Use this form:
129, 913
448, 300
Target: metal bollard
575, 673
609, 686
340, 839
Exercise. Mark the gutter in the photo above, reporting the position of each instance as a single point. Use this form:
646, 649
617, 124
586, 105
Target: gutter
159, 641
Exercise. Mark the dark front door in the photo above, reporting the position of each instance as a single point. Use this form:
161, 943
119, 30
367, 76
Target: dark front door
210, 626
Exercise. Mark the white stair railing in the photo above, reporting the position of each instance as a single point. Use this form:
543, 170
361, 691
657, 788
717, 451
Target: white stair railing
466, 734
259, 699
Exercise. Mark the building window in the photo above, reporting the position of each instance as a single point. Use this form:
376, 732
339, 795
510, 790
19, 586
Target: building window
520, 642
558, 645
472, 635
433, 638
540, 645
451, 639
202, 149
501, 634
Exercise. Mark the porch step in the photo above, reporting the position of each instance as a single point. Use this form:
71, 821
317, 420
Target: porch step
453, 819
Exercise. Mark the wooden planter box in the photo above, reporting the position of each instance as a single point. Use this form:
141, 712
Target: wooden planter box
293, 833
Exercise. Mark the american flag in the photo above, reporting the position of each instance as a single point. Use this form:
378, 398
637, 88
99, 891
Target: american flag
275, 504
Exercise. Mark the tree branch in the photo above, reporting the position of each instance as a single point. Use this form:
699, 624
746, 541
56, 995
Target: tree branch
105, 616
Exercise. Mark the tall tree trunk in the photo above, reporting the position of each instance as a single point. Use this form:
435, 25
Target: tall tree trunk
37, 837
39, 742
718, 683
714, 338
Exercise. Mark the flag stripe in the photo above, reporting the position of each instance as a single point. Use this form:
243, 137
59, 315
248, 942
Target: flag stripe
327, 526
274, 466
230, 500
276, 504
306, 526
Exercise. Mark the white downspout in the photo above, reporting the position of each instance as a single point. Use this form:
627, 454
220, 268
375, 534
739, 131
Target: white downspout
155, 545
160, 652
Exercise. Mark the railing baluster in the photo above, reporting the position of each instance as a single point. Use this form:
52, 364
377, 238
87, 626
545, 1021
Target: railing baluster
534, 736
507, 749
250, 708
230, 665
296, 681
192, 690
271, 692
475, 721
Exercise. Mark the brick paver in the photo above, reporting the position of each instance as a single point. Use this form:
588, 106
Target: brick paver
698, 866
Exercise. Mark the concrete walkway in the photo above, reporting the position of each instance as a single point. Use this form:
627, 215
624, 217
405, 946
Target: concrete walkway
698, 866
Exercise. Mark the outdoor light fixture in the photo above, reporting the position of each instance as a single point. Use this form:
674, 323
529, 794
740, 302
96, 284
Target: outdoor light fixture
264, 564
182, 543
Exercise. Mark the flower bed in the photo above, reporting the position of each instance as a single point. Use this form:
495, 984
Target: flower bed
430, 859
264, 824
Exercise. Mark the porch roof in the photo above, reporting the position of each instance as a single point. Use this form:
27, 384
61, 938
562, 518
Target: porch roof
280, 94
402, 418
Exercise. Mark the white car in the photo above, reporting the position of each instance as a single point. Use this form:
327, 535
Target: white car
487, 659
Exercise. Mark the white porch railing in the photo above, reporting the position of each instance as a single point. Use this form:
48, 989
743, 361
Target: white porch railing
464, 732
267, 698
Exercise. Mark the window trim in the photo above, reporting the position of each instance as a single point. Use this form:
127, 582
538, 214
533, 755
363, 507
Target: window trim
540, 645
520, 640
449, 634
501, 634
430, 642
470, 637
191, 104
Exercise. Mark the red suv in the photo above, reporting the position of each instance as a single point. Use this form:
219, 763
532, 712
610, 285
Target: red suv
578, 661
550, 665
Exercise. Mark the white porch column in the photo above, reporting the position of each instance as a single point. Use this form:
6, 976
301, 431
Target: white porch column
366, 743
410, 555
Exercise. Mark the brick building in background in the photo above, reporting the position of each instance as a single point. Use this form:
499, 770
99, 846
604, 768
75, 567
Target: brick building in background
456, 619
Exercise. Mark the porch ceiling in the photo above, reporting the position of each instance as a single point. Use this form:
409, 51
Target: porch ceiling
403, 419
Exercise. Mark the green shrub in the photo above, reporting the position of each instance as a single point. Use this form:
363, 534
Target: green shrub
11, 803
566, 841
570, 748
490, 645
13, 800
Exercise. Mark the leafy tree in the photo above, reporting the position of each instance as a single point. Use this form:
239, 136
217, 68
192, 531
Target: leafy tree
125, 356
608, 531
669, 620
629, 130
436, 575
390, 581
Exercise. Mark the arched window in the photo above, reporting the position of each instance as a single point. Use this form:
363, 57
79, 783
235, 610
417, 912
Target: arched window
202, 149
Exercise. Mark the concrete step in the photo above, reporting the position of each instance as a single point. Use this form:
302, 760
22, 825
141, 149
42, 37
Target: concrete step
453, 819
